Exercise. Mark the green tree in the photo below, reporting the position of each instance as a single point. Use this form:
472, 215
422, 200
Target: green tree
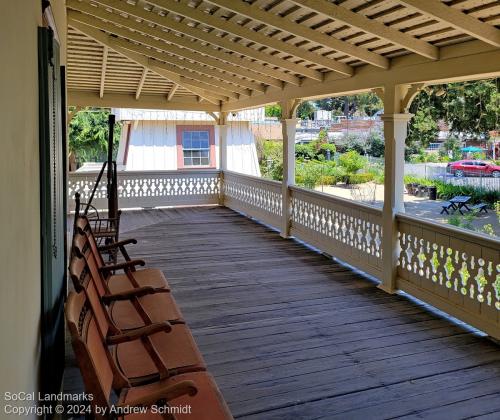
470, 109
305, 110
363, 105
88, 135
423, 128
273, 111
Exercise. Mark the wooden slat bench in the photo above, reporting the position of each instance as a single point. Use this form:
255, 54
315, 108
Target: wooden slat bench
480, 207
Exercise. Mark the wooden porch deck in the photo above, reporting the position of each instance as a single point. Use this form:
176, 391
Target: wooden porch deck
290, 334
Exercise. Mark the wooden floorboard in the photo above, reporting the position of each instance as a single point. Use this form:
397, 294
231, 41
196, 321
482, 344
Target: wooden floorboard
290, 334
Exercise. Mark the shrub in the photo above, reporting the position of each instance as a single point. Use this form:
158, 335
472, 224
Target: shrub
359, 178
376, 144
324, 148
352, 162
308, 174
304, 151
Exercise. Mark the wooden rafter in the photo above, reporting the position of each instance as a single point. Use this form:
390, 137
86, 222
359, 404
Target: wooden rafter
121, 100
105, 51
371, 26
457, 19
240, 31
171, 47
286, 25
176, 63
141, 83
197, 34
172, 92
156, 67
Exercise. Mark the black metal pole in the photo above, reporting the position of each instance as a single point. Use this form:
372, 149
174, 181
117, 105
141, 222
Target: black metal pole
109, 188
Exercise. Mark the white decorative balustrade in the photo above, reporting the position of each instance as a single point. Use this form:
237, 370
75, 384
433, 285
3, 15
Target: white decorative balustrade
453, 270
342, 228
256, 197
150, 188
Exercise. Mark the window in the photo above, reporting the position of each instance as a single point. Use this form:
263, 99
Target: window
196, 148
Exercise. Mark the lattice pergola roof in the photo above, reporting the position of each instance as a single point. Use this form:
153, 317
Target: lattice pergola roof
231, 54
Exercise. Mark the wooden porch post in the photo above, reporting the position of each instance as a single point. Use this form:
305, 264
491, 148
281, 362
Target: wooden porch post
395, 130
288, 123
222, 127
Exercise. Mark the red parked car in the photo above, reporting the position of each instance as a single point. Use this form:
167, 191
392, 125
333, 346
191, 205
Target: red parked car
473, 168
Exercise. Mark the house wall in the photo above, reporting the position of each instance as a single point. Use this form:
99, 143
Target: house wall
20, 288
153, 146
20, 204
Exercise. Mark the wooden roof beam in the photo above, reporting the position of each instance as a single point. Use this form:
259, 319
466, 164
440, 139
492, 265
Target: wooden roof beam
165, 37
123, 100
126, 35
171, 24
141, 83
371, 26
172, 92
242, 32
157, 68
453, 17
103, 70
287, 25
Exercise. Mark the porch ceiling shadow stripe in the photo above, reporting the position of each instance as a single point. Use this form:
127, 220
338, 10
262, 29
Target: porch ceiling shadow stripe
157, 67
200, 36
370, 26
259, 38
457, 19
161, 43
302, 31
174, 62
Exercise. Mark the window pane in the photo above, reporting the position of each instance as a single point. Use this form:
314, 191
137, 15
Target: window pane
196, 153
204, 153
186, 143
204, 144
205, 161
196, 161
187, 161
204, 135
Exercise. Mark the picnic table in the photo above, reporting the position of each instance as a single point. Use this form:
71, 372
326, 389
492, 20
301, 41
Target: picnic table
459, 202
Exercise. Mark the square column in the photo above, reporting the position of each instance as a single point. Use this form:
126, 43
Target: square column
395, 130
288, 128
222, 130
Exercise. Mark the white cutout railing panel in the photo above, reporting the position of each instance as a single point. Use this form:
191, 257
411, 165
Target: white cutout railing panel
150, 188
257, 197
456, 271
344, 229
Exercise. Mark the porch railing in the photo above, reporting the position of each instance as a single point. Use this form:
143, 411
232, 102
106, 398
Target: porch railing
257, 197
452, 269
151, 188
342, 228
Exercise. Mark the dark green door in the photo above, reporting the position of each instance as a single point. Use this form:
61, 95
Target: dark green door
52, 211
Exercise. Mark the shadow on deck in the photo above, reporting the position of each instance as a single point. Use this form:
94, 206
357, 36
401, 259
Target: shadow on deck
290, 334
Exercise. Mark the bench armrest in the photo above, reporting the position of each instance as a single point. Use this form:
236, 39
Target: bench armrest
128, 294
118, 244
127, 265
139, 333
167, 393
